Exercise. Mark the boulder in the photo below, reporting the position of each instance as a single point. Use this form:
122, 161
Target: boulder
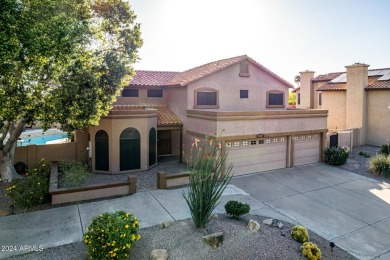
159, 254
273, 222
214, 240
253, 226
166, 224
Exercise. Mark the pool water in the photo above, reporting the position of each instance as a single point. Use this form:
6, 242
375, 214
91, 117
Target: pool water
41, 139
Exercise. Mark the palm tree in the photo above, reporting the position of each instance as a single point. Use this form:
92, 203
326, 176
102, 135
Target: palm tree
297, 80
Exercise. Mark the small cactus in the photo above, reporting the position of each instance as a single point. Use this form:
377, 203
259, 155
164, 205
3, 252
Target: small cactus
311, 251
300, 234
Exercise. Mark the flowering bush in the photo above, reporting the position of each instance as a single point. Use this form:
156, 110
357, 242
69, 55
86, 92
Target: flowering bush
336, 155
33, 189
208, 179
111, 235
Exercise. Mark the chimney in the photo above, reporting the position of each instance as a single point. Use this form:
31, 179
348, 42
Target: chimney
356, 103
307, 89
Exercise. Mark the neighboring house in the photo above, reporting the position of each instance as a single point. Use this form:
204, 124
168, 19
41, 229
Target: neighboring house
357, 99
236, 99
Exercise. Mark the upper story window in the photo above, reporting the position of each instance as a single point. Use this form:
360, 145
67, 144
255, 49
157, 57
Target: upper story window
206, 98
320, 99
244, 69
155, 93
129, 92
244, 93
299, 98
275, 99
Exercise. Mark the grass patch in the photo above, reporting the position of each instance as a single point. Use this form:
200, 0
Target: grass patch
73, 174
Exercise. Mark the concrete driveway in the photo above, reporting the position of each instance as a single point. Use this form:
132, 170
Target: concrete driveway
351, 210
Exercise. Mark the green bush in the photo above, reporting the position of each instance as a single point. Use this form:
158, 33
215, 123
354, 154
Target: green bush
207, 180
33, 189
336, 155
364, 154
311, 251
236, 209
111, 235
73, 174
385, 149
300, 234
380, 165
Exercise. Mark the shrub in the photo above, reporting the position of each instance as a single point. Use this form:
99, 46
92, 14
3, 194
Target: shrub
111, 235
385, 149
73, 174
207, 180
311, 251
236, 209
33, 189
336, 155
300, 234
380, 165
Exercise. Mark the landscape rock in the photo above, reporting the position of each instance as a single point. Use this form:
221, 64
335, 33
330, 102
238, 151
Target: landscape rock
159, 254
253, 225
166, 224
214, 240
273, 222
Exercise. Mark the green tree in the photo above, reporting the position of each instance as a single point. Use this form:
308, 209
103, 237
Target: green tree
292, 98
297, 79
61, 61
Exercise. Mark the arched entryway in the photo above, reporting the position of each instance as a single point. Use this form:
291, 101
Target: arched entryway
101, 151
130, 149
152, 146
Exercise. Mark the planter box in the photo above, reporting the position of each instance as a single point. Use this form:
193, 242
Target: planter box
165, 181
94, 191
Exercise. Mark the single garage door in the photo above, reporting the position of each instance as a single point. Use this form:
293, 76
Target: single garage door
256, 155
306, 149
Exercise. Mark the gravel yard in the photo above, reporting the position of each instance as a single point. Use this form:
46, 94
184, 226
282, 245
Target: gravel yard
183, 241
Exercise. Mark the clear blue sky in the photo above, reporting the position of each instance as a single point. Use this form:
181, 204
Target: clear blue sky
286, 36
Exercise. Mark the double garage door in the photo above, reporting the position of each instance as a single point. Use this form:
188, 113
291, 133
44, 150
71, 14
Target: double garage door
264, 154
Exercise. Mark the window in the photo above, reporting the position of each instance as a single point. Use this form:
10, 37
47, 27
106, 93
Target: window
245, 143
236, 144
244, 69
244, 93
320, 99
275, 99
155, 93
282, 139
206, 98
128, 92
299, 98
275, 140
267, 141
253, 142
295, 138
261, 141
228, 144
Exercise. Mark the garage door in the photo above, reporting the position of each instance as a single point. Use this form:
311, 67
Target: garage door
306, 149
256, 155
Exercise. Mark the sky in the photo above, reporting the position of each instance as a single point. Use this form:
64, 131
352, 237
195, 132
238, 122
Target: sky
286, 36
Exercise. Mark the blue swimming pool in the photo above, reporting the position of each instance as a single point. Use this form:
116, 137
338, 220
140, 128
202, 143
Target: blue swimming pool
41, 139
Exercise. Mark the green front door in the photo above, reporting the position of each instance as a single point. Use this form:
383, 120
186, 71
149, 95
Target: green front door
130, 150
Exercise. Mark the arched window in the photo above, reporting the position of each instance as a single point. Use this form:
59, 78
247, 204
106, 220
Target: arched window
101, 151
130, 149
152, 146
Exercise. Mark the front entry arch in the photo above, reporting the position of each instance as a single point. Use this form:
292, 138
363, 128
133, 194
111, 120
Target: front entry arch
130, 149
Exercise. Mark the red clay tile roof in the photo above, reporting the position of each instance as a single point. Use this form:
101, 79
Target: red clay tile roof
151, 78
165, 116
374, 83
327, 77
295, 89
333, 86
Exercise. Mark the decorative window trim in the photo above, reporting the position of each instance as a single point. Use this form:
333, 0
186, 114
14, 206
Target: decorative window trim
275, 92
196, 91
244, 69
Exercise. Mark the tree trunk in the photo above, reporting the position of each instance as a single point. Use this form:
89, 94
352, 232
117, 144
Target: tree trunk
7, 169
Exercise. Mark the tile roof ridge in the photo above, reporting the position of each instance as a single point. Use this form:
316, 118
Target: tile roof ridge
158, 71
216, 61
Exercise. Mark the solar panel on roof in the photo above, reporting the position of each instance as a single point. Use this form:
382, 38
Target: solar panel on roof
340, 79
374, 72
385, 77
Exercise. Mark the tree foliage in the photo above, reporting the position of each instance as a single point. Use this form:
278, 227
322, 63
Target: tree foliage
62, 61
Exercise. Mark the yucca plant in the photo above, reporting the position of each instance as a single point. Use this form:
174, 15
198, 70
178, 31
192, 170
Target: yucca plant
207, 179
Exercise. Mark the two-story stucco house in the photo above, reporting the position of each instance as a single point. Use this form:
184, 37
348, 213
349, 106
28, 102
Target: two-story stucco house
236, 99
357, 99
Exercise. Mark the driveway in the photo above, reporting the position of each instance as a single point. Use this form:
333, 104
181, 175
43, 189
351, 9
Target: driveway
351, 210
